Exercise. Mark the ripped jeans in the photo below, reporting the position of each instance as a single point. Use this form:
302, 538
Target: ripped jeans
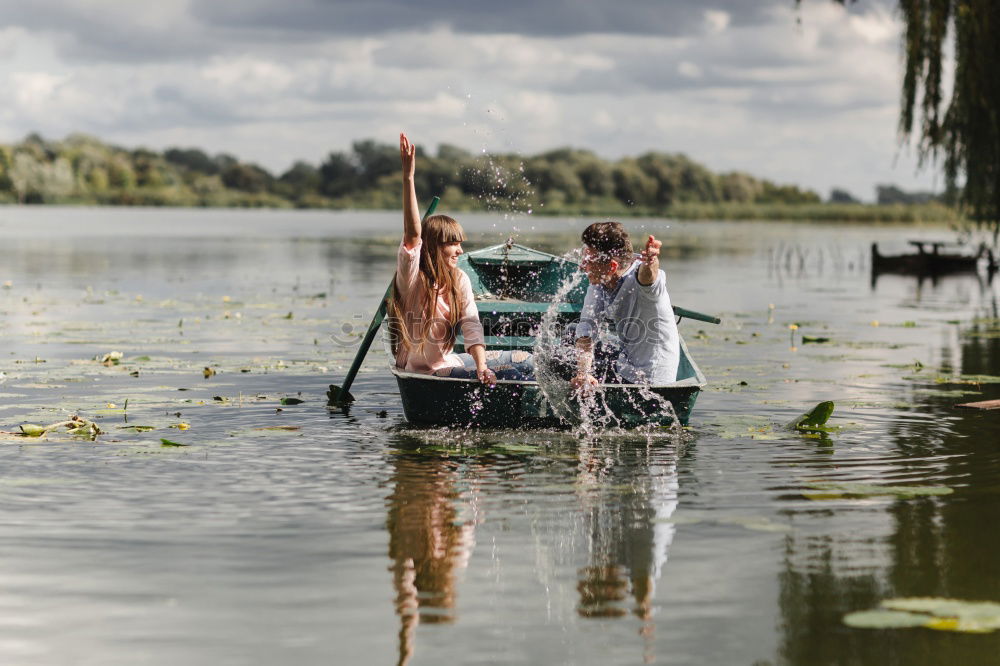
505, 364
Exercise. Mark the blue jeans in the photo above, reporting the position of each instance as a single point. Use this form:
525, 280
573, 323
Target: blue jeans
516, 365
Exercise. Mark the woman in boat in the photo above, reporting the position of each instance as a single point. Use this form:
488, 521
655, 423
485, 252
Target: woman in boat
432, 297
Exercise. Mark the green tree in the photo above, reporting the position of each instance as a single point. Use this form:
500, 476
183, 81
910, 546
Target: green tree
6, 161
739, 187
302, 178
839, 195
375, 160
247, 178
25, 176
597, 176
120, 173
555, 176
633, 186
450, 153
192, 159
337, 175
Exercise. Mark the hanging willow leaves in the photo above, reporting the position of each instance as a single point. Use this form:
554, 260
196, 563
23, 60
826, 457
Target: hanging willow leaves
962, 130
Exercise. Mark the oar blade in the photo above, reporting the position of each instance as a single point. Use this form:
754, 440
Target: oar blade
338, 397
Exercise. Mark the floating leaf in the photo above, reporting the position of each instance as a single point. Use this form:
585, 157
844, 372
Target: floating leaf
814, 418
961, 379
884, 619
291, 401
167, 442
137, 428
74, 426
111, 358
755, 523
931, 612
280, 428
835, 490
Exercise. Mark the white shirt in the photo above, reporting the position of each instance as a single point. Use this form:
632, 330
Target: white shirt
643, 319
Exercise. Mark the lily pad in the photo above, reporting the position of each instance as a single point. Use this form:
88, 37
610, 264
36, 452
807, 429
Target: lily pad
814, 418
960, 379
167, 442
755, 523
844, 490
975, 617
884, 619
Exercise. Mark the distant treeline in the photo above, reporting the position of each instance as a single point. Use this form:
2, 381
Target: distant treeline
83, 170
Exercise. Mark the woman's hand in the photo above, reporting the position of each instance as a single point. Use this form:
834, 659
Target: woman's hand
486, 376
411, 218
408, 156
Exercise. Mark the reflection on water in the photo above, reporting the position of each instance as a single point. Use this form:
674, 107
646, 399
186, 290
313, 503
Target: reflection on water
626, 500
623, 494
931, 547
287, 534
429, 542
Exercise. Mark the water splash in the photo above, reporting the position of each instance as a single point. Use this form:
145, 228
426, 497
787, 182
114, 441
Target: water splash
551, 353
589, 412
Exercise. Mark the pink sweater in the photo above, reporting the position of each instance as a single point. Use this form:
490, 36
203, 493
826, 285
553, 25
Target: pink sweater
435, 353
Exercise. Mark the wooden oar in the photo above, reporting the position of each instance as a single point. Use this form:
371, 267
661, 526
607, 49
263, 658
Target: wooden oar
700, 316
339, 396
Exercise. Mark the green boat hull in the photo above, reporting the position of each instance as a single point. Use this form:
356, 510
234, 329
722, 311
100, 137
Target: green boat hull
442, 401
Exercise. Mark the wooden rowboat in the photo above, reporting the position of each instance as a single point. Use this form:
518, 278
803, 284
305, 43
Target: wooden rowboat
514, 287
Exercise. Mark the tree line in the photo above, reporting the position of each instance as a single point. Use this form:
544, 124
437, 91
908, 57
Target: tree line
83, 169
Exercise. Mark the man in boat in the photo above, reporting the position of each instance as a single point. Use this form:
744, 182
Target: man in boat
628, 291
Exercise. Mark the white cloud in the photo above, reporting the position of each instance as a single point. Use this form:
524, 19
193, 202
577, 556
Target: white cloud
717, 20
813, 104
35, 90
689, 70
876, 27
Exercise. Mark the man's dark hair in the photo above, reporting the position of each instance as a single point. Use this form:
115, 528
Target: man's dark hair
609, 239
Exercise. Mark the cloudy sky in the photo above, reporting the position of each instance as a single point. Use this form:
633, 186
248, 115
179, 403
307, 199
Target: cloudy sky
806, 96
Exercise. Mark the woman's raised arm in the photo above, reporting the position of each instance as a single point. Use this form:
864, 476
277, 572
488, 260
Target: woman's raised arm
411, 218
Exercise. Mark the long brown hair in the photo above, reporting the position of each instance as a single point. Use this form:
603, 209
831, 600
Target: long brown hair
436, 276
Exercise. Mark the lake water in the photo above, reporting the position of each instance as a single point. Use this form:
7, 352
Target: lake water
351, 538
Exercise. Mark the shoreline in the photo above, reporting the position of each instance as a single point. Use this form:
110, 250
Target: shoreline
894, 214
